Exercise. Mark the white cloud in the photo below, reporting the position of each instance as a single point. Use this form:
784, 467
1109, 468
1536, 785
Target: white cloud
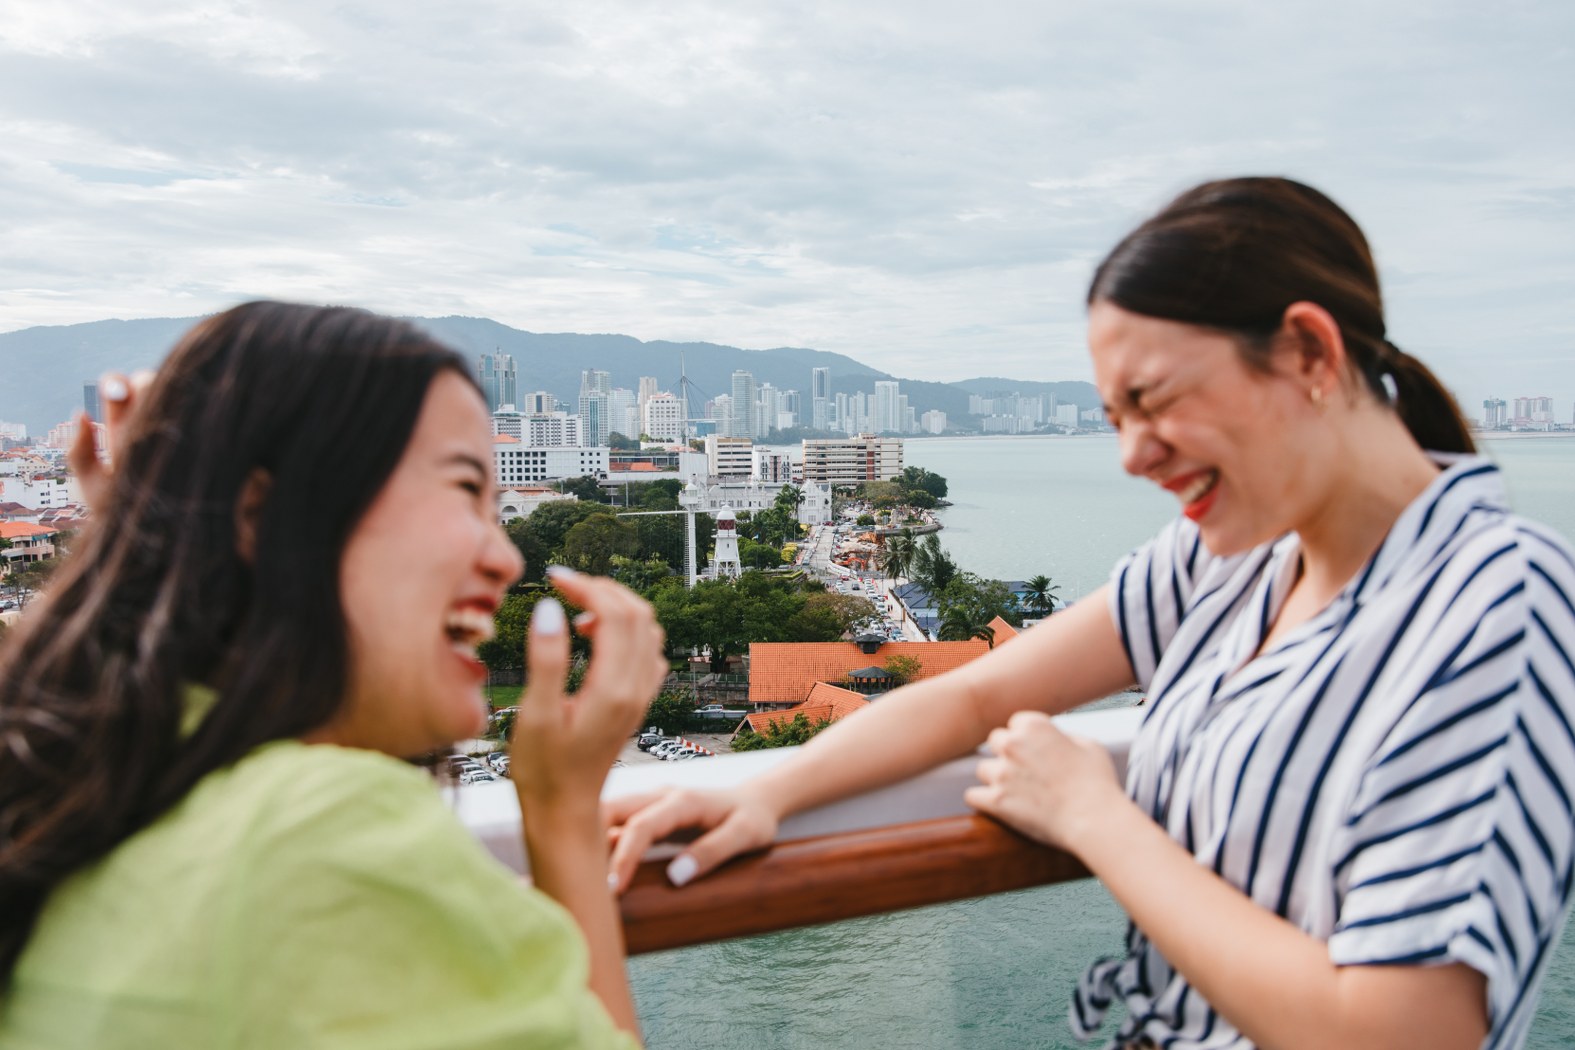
922, 185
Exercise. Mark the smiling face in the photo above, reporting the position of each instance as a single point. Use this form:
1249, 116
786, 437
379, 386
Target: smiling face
1231, 443
421, 577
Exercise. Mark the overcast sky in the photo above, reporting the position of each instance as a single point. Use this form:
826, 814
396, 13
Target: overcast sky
923, 186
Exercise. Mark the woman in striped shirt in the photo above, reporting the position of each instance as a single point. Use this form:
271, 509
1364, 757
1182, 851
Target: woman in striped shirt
1347, 818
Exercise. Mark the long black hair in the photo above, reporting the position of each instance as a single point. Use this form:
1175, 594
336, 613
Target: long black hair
1233, 254
158, 598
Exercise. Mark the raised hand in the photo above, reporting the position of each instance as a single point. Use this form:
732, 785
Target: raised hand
119, 394
564, 744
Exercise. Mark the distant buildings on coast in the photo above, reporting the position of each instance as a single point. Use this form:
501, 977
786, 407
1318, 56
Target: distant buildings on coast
1522, 414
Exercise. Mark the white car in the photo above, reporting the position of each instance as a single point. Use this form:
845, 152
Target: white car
476, 776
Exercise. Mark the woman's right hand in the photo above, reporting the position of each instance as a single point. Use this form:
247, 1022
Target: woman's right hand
735, 822
564, 744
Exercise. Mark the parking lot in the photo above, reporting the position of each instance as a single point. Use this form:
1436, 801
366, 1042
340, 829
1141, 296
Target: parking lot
718, 742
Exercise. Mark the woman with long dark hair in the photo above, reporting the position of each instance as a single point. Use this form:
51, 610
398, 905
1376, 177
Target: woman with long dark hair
206, 835
1347, 817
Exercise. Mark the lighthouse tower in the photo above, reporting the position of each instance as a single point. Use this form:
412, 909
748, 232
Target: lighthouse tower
727, 564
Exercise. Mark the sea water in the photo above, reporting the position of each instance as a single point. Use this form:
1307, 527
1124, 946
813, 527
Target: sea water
996, 972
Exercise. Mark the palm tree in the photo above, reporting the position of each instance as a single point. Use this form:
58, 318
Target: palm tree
959, 626
1040, 595
897, 554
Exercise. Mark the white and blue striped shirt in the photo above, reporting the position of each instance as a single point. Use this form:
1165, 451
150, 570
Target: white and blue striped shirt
1394, 776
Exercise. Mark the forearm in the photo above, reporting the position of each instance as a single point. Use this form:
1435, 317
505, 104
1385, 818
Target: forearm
1272, 981
1070, 659
903, 734
568, 862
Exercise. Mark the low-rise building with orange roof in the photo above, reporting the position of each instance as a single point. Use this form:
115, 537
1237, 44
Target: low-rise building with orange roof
781, 674
826, 703
29, 543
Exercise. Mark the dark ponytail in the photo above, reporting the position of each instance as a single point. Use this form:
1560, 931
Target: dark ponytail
1233, 255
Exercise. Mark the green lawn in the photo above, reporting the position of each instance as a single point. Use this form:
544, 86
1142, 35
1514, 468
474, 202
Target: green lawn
504, 695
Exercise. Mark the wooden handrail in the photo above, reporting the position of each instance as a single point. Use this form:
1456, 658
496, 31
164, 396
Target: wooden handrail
829, 878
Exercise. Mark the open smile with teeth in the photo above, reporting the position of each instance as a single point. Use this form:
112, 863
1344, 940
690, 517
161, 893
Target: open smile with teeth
467, 628
1199, 487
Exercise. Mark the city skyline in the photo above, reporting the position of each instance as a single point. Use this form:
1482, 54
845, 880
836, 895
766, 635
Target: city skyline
928, 194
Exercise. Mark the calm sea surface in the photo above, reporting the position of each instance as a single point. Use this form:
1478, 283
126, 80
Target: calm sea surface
995, 973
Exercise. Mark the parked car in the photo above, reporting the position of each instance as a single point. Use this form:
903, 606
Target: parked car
649, 739
477, 776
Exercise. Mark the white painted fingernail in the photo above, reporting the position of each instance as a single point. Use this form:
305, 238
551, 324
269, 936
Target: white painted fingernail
681, 870
547, 618
561, 572
114, 388
584, 618
612, 882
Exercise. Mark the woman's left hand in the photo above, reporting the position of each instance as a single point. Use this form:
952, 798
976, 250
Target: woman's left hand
1047, 785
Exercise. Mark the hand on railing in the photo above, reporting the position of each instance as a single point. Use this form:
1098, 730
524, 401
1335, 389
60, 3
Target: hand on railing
736, 821
1043, 783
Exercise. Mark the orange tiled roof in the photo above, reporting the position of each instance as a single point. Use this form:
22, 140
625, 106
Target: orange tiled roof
505, 439
1004, 632
635, 466
21, 530
786, 671
826, 702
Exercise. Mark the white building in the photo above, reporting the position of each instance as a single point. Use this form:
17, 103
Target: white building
664, 418
520, 502
852, 460
770, 465
545, 430
37, 493
517, 464
887, 408
538, 403
14, 431
933, 421
729, 457
740, 422
1066, 415
755, 496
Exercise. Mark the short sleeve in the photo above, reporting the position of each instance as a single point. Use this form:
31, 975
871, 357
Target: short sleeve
1458, 844
373, 919
1150, 590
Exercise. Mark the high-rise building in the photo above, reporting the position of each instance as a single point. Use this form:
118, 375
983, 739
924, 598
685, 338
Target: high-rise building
729, 456
664, 418
852, 460
90, 402
497, 380
885, 410
538, 403
623, 413
646, 391
593, 417
820, 382
741, 422
597, 380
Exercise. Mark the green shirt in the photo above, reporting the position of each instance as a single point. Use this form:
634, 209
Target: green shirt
309, 896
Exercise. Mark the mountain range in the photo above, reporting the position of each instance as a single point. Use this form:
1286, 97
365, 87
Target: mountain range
43, 369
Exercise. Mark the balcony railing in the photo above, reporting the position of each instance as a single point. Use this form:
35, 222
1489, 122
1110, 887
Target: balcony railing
903, 846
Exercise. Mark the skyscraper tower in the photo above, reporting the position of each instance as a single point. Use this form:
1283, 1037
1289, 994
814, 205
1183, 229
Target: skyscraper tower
90, 402
498, 383
743, 419
819, 397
